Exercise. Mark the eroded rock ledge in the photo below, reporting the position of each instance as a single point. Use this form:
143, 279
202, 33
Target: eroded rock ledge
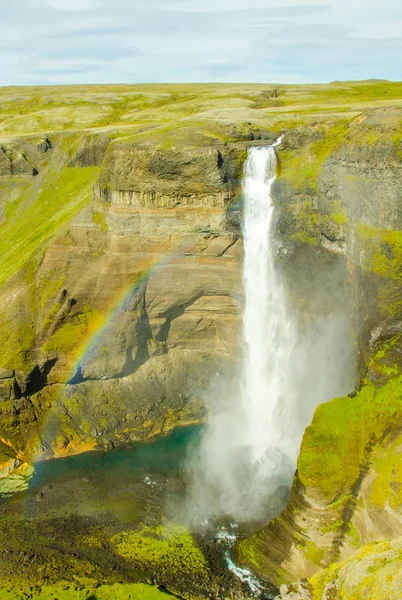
116, 330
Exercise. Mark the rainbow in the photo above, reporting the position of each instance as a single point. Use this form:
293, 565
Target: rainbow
97, 324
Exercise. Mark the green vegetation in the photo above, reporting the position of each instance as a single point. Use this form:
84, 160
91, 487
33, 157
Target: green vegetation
313, 553
17, 327
169, 115
382, 257
374, 572
41, 214
345, 428
387, 487
49, 286
38, 202
302, 167
68, 591
169, 548
73, 332
99, 218
43, 110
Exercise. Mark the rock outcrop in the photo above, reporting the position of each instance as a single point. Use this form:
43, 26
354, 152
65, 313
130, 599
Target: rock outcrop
373, 572
347, 490
116, 330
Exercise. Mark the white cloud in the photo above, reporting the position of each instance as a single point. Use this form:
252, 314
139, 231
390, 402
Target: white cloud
70, 5
381, 31
47, 41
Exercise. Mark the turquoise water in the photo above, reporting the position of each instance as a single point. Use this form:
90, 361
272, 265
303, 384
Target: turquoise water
164, 455
146, 483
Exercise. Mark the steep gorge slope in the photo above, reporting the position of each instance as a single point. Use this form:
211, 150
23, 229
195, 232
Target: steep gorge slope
340, 190
121, 280
134, 304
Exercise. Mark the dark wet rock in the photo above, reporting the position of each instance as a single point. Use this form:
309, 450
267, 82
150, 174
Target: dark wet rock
44, 145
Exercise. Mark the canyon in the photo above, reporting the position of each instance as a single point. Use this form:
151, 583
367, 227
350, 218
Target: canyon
121, 293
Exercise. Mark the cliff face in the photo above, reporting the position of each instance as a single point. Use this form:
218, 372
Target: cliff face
373, 572
120, 282
342, 194
113, 332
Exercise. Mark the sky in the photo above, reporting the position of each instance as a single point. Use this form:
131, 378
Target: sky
254, 41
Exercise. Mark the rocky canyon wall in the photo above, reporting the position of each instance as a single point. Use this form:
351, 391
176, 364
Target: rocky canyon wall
121, 298
340, 192
115, 329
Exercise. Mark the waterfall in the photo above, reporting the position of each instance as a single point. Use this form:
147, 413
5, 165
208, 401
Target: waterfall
251, 444
270, 333
268, 330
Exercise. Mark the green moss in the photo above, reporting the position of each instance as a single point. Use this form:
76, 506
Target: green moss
41, 216
332, 526
71, 334
99, 218
313, 553
49, 285
383, 251
339, 218
374, 572
384, 363
169, 548
248, 552
66, 590
51, 314
17, 325
382, 258
345, 428
301, 168
387, 486
353, 536
5, 453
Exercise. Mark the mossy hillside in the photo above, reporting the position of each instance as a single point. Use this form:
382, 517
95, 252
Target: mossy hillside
17, 320
61, 196
72, 556
332, 95
166, 548
315, 223
66, 590
301, 166
99, 218
381, 257
69, 337
387, 486
35, 109
344, 428
6, 453
385, 361
374, 572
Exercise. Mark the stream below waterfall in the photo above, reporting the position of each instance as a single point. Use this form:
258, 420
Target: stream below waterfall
144, 483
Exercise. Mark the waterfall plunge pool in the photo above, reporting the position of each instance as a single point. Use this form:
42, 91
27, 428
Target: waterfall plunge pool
145, 484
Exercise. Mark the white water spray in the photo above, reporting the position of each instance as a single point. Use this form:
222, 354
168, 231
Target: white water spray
252, 440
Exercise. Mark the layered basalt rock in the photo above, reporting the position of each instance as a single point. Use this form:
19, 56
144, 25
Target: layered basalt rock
148, 177
116, 331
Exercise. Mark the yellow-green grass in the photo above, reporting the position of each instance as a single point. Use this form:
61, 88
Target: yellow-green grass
169, 548
374, 572
303, 167
382, 257
69, 591
40, 215
49, 109
344, 428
